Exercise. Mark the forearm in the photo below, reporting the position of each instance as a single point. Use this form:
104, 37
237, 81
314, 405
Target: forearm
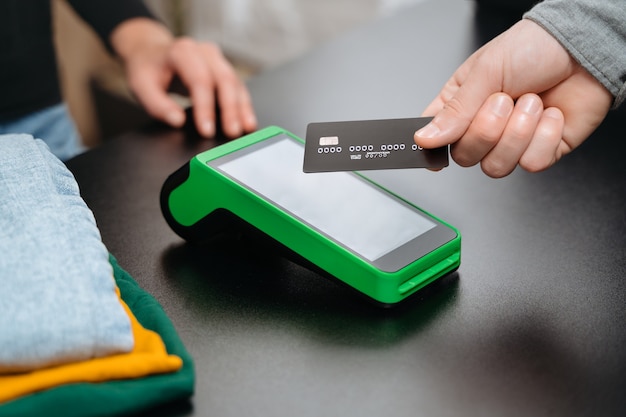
594, 33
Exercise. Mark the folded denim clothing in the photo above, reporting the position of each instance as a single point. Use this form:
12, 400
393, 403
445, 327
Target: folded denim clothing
119, 397
148, 357
57, 301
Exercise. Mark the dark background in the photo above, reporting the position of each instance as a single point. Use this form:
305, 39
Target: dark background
532, 324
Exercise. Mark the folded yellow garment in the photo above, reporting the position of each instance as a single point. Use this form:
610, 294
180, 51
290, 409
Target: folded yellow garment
148, 357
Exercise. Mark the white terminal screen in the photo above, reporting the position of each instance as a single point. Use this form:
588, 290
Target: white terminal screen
341, 205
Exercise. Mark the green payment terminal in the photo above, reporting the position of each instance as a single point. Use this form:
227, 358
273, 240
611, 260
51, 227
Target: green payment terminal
339, 223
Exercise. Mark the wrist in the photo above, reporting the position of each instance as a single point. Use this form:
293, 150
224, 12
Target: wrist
138, 34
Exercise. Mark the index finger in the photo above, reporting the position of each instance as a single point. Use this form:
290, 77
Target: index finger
188, 63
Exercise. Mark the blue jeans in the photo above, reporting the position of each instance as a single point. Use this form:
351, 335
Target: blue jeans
57, 294
53, 125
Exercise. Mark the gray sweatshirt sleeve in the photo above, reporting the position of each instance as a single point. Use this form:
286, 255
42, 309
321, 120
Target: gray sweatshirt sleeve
594, 33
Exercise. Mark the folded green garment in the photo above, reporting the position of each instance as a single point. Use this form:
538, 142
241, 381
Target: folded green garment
122, 397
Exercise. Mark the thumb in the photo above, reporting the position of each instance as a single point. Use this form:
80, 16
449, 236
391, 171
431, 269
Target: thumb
465, 98
157, 102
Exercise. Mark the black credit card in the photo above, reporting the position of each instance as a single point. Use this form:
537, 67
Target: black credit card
369, 144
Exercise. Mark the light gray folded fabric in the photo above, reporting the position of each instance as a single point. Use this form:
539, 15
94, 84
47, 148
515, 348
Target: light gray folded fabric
57, 293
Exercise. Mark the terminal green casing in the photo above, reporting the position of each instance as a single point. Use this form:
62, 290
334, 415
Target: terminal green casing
198, 201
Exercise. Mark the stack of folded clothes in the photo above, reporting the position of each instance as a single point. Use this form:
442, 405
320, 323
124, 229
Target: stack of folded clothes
78, 336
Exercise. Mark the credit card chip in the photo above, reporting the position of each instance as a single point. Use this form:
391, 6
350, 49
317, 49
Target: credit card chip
329, 140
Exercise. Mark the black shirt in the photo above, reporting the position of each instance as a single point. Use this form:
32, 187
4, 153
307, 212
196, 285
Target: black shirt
28, 67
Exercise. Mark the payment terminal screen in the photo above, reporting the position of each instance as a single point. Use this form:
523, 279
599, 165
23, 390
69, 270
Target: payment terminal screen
341, 205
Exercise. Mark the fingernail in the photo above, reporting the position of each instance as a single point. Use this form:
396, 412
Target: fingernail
428, 131
553, 113
208, 128
175, 118
529, 105
500, 106
235, 127
251, 120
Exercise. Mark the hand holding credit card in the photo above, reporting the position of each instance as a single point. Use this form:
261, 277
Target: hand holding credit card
369, 144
